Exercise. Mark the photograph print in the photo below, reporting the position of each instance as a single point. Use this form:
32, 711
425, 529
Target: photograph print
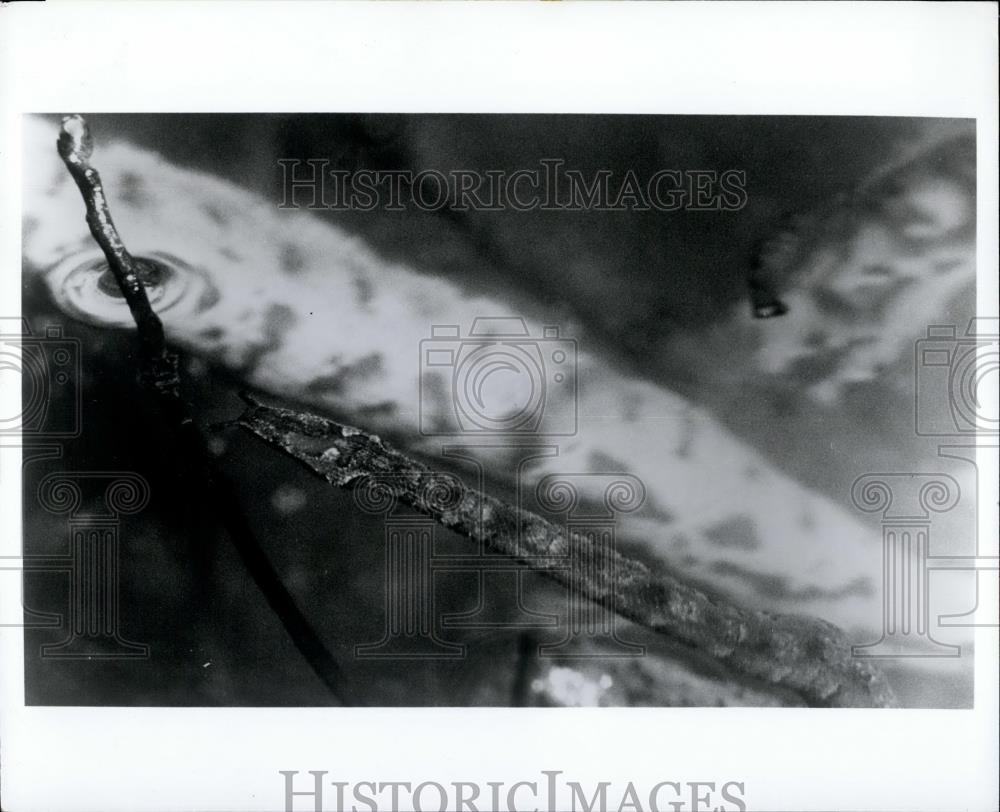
500, 410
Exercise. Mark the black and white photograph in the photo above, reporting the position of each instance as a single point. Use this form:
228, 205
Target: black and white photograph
396, 418
501, 409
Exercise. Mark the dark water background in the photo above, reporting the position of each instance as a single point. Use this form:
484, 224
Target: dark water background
634, 278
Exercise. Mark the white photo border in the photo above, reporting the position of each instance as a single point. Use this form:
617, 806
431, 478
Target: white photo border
884, 59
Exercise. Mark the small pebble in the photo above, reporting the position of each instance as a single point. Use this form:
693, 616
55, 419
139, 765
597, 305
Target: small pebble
288, 499
196, 367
